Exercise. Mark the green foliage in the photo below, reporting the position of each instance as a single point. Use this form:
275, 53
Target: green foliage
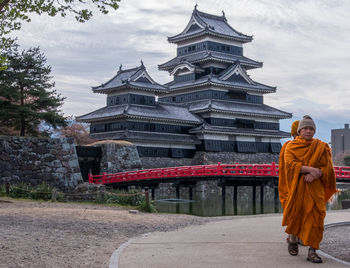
27, 97
130, 198
23, 190
2, 190
100, 199
42, 191
150, 208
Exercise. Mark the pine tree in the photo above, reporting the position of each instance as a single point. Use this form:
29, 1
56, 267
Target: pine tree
27, 96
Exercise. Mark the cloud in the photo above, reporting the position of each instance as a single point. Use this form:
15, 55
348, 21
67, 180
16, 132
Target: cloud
304, 45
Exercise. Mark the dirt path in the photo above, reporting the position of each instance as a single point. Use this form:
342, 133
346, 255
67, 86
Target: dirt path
44, 234
35, 234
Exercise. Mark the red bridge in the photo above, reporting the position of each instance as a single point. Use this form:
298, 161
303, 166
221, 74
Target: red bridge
202, 171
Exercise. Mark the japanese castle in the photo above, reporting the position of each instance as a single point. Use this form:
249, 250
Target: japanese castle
212, 104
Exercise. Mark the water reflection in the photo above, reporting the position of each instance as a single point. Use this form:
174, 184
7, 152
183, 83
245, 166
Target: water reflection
211, 203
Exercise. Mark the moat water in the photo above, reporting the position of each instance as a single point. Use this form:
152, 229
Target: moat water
210, 203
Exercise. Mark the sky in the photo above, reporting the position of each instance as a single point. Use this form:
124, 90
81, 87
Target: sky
304, 45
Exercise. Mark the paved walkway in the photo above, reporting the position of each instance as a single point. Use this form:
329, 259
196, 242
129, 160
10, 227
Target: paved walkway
247, 241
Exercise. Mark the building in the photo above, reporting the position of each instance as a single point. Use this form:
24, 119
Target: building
340, 140
133, 114
211, 105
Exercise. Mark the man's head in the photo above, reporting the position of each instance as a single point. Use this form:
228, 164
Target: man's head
306, 128
294, 129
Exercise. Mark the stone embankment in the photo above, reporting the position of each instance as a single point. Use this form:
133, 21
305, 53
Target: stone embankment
37, 160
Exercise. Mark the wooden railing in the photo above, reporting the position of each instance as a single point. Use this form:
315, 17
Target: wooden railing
241, 170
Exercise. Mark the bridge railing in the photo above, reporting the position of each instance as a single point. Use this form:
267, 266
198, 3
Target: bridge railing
188, 171
342, 172
243, 170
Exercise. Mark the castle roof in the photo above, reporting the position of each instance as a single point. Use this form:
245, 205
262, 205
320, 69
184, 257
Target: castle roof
210, 129
165, 112
237, 108
130, 78
149, 137
234, 82
202, 24
204, 56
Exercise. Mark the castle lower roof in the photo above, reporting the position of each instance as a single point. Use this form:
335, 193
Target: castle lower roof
210, 129
237, 108
148, 137
131, 78
204, 56
213, 80
165, 112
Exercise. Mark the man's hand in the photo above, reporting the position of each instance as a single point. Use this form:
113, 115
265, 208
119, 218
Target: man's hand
316, 172
309, 178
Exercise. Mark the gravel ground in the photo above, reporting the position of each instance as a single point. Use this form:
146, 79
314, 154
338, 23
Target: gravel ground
44, 234
336, 242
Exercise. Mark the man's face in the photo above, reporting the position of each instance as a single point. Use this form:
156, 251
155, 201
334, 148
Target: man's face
307, 133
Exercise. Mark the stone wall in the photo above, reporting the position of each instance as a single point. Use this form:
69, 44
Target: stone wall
160, 162
37, 160
205, 158
118, 156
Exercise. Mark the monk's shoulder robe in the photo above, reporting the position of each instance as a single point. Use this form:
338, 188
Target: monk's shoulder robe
305, 207
283, 186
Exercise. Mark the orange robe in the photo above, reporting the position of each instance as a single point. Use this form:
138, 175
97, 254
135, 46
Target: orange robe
305, 205
283, 186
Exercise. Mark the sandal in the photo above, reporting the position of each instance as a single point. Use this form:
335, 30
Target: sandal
313, 257
292, 248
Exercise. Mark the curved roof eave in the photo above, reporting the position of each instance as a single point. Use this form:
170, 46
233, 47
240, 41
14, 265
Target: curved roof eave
106, 118
242, 134
211, 83
126, 86
178, 38
212, 58
288, 115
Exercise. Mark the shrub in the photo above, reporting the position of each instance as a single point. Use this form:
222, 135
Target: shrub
132, 198
2, 190
21, 190
42, 191
144, 207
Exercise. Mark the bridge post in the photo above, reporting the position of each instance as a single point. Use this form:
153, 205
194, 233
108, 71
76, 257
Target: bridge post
254, 199
153, 193
235, 200
274, 171
276, 199
262, 198
90, 177
219, 169
190, 190
147, 196
223, 199
104, 177
177, 187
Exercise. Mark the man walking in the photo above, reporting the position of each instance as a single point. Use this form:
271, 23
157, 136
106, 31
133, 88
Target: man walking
308, 169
